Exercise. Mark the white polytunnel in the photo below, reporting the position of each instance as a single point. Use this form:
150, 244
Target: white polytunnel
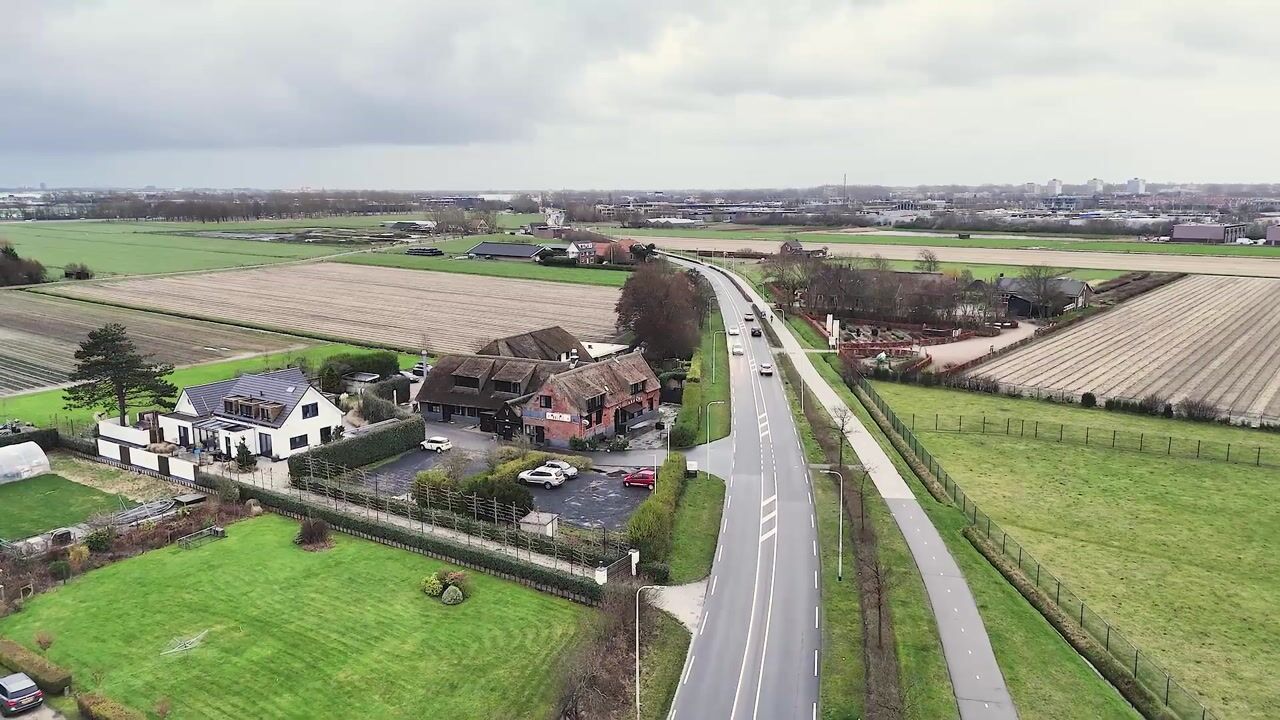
21, 461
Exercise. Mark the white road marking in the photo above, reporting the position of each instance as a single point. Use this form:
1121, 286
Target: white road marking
815, 548
811, 523
688, 670
772, 514
769, 499
771, 533
705, 615
719, 553
815, 579
815, 618
714, 579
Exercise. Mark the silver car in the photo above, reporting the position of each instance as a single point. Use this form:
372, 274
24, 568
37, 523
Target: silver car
547, 477
570, 472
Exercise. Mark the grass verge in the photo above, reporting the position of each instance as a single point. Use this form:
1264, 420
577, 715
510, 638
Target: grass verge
709, 386
661, 664
697, 529
42, 503
290, 630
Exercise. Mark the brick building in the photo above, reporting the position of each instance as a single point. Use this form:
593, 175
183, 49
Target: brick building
599, 399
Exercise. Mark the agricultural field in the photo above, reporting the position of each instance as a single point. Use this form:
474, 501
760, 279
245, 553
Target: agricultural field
39, 335
49, 501
1202, 337
298, 634
458, 263
122, 248
46, 408
390, 307
1177, 553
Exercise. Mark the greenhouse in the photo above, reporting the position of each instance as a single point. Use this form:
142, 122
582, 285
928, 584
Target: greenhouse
21, 461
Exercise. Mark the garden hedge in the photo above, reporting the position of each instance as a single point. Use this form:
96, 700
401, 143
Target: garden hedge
46, 438
97, 707
49, 677
395, 388
358, 450
448, 550
653, 522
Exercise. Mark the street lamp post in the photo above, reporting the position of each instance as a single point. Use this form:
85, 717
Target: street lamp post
708, 450
840, 540
639, 590
713, 351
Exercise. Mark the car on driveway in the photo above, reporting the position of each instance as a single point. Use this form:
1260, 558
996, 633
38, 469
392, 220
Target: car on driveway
570, 472
733, 330
438, 443
737, 349
755, 332
547, 477
766, 369
18, 693
420, 369
641, 478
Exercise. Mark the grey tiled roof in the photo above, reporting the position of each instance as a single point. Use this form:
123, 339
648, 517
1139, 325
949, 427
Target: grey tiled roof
549, 343
285, 386
501, 249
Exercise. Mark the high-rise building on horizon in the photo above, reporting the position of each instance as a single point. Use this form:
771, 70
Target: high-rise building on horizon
1096, 185
1031, 188
1136, 186
1054, 187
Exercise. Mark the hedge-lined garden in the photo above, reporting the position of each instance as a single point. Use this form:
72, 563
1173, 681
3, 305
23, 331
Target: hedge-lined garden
651, 526
359, 450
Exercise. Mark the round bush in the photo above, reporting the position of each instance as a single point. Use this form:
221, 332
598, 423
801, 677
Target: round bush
100, 540
432, 586
452, 596
1088, 400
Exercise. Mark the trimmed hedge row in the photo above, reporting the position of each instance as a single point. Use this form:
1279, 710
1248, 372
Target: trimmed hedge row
395, 388
49, 677
511, 469
651, 525
98, 707
46, 438
1104, 662
447, 550
358, 450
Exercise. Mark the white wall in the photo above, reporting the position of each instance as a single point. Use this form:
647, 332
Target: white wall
148, 460
112, 429
295, 425
108, 449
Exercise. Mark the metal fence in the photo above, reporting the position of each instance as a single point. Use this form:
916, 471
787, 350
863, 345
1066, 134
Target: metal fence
1100, 437
1142, 668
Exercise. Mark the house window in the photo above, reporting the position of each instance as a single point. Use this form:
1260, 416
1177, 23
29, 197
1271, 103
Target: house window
433, 407
228, 406
506, 387
310, 410
466, 382
544, 401
595, 403
637, 387
297, 441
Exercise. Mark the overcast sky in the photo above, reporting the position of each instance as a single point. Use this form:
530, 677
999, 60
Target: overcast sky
548, 94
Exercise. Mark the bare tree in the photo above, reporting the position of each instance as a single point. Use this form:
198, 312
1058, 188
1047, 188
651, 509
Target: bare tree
841, 421
881, 577
789, 273
455, 464
1040, 284
927, 261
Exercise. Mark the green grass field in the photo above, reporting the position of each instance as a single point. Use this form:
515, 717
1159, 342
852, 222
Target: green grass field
496, 268
661, 663
296, 634
46, 408
1177, 553
981, 271
42, 503
709, 388
697, 529
1046, 677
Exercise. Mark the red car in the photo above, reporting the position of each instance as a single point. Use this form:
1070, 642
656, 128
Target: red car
640, 478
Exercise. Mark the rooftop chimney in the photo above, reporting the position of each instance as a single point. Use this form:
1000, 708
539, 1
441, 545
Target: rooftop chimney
573, 358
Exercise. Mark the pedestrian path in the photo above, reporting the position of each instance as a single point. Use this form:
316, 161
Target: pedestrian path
981, 693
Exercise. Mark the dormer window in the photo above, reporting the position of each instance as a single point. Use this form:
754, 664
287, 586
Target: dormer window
504, 386
595, 403
637, 387
466, 382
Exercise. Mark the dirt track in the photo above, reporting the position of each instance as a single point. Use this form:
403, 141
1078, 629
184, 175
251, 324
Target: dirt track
1197, 264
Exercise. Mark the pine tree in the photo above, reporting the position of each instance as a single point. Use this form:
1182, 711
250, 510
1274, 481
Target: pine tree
112, 375
244, 458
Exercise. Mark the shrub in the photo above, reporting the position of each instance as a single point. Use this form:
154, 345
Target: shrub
162, 708
228, 490
380, 362
375, 409
1088, 400
77, 556
1152, 404
459, 579
650, 526
452, 596
97, 707
312, 531
619, 442
365, 448
683, 435
77, 271
489, 489
432, 586
395, 389
429, 482
51, 678
44, 640
244, 457
658, 572
100, 540
577, 443
60, 569
46, 438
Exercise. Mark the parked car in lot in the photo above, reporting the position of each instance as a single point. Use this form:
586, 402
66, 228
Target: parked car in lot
437, 443
766, 369
547, 477
755, 332
737, 349
641, 478
570, 472
18, 693
420, 369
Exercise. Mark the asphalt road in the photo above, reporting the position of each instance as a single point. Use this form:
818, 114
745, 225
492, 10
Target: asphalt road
1153, 262
755, 653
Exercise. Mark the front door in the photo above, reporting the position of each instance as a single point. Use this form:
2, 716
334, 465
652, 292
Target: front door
184, 436
539, 434
446, 412
227, 441
264, 445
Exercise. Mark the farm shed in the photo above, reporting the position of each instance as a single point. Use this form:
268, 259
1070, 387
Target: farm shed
22, 461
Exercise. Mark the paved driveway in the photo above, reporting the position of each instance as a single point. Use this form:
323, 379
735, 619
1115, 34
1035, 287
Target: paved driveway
591, 499
396, 477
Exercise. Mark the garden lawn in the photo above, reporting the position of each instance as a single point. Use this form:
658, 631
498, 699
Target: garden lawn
1047, 679
1178, 554
42, 503
524, 270
294, 634
697, 529
706, 389
47, 409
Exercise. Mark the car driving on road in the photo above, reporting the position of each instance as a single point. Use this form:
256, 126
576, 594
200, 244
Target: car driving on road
437, 443
570, 472
547, 477
737, 349
766, 369
18, 693
755, 332
641, 478
733, 330
749, 317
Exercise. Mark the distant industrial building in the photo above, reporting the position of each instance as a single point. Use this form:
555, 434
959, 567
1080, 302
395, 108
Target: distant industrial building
1273, 235
1206, 233
1136, 186
1096, 186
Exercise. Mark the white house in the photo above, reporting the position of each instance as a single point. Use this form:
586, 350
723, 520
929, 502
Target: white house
276, 414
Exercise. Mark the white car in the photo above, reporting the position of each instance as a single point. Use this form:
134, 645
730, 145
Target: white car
749, 317
547, 477
737, 349
766, 369
733, 331
570, 472
437, 443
